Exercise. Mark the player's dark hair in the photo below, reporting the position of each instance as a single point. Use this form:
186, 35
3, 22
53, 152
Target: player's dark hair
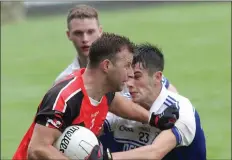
81, 12
150, 57
107, 47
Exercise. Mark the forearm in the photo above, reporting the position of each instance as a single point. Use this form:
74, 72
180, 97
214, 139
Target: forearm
162, 144
45, 152
132, 112
146, 152
138, 113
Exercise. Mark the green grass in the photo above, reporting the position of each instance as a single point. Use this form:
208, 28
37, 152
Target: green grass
195, 39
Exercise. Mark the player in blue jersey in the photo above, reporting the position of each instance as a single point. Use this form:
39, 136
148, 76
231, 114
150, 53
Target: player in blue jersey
133, 140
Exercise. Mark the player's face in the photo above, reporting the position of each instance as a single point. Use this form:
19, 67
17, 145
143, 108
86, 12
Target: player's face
141, 87
118, 76
83, 32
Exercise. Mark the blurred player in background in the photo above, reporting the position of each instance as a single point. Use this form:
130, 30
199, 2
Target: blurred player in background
185, 141
83, 29
84, 98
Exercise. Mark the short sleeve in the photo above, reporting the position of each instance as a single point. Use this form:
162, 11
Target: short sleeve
53, 111
51, 117
110, 97
185, 126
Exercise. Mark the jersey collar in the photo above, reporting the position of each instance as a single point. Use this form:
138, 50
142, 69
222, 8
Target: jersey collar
76, 64
159, 100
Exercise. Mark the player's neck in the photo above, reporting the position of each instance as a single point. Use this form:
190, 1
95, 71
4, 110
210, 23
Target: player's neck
94, 84
157, 92
82, 61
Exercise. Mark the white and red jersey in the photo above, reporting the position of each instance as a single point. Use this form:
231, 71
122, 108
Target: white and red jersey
67, 103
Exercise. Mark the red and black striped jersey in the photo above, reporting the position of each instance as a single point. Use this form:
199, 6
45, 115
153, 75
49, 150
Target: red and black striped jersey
67, 103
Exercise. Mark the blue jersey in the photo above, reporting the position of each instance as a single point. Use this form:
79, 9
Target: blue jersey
121, 134
195, 151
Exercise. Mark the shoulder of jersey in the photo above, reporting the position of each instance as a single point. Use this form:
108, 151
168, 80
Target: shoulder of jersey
75, 73
69, 76
179, 97
67, 85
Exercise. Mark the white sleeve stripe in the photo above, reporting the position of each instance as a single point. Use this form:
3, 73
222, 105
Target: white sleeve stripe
168, 104
108, 125
54, 105
171, 99
71, 95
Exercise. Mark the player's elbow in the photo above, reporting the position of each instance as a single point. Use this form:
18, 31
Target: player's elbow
154, 153
157, 155
33, 153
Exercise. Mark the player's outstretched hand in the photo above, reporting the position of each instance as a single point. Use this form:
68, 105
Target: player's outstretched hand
107, 155
99, 154
166, 119
96, 153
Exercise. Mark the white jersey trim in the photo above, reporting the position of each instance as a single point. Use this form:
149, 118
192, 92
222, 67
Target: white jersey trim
186, 125
72, 67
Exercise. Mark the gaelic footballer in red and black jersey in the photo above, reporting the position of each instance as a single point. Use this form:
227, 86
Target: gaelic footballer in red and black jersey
66, 104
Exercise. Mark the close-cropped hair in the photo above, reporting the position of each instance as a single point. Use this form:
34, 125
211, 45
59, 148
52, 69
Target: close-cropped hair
107, 47
82, 12
149, 56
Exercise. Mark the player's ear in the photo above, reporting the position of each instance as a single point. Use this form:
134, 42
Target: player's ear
68, 34
157, 77
100, 30
106, 65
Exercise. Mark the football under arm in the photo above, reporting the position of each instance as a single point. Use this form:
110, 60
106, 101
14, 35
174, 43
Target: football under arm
125, 108
162, 145
41, 144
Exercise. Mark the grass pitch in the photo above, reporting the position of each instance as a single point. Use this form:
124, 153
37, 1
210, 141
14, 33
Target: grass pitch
195, 39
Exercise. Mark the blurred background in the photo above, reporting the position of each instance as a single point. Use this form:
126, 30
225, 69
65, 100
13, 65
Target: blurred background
194, 36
